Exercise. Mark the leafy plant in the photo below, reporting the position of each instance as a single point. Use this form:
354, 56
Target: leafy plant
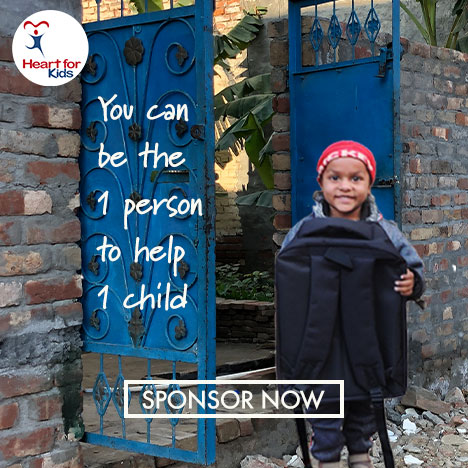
247, 105
228, 46
429, 29
138, 6
250, 104
231, 284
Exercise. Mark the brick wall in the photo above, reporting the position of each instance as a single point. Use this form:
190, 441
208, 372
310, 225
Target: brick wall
243, 321
434, 127
40, 357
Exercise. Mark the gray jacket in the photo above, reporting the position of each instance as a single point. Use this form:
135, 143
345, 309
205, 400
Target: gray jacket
400, 242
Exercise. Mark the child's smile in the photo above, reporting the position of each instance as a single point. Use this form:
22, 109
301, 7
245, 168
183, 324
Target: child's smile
346, 185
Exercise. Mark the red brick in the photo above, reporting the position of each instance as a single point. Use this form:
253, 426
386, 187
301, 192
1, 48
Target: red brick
279, 53
8, 415
463, 292
20, 263
42, 233
48, 407
460, 198
280, 142
32, 443
282, 202
461, 90
440, 200
50, 290
10, 233
463, 261
463, 184
282, 221
72, 312
281, 162
441, 132
281, 103
461, 119
415, 165
282, 180
452, 71
11, 203
24, 384
6, 54
46, 170
417, 48
13, 82
279, 81
44, 115
362, 52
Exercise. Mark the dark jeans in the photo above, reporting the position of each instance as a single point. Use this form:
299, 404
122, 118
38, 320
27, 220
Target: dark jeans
354, 431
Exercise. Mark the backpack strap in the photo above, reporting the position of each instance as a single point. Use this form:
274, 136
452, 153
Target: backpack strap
301, 430
357, 310
379, 414
321, 318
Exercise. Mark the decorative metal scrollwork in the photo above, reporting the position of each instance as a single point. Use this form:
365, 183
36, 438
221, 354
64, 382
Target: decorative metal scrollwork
334, 32
133, 51
90, 66
94, 321
136, 271
91, 200
353, 28
180, 330
182, 55
91, 131
93, 265
119, 394
181, 128
136, 328
135, 197
198, 132
372, 25
183, 269
134, 131
316, 35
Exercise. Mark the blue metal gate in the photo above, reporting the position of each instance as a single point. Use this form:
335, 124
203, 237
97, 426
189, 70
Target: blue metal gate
163, 59
342, 88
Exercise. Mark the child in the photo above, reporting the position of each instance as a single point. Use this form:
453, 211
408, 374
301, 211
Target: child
346, 172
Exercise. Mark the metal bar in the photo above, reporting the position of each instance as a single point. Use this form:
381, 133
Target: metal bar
206, 440
142, 447
98, 3
121, 8
335, 66
295, 66
396, 46
162, 354
136, 20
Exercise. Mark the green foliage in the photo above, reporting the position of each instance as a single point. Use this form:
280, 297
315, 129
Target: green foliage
228, 46
138, 6
250, 103
429, 29
231, 284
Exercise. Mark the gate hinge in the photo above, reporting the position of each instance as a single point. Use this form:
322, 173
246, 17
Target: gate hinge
385, 56
198, 132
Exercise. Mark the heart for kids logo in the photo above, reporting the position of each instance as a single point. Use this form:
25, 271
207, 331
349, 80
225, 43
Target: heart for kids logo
50, 48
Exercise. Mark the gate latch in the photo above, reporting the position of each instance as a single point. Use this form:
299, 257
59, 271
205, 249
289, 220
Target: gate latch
385, 56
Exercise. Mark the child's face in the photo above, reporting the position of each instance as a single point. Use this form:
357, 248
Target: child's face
345, 183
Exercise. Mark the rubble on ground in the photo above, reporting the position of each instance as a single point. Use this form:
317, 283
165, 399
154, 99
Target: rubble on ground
424, 431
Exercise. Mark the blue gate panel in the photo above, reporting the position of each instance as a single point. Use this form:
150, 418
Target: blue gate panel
342, 96
162, 59
342, 103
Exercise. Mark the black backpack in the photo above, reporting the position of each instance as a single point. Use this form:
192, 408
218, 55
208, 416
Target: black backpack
338, 316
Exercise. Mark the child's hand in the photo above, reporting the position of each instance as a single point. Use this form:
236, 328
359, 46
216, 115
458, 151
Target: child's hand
405, 284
